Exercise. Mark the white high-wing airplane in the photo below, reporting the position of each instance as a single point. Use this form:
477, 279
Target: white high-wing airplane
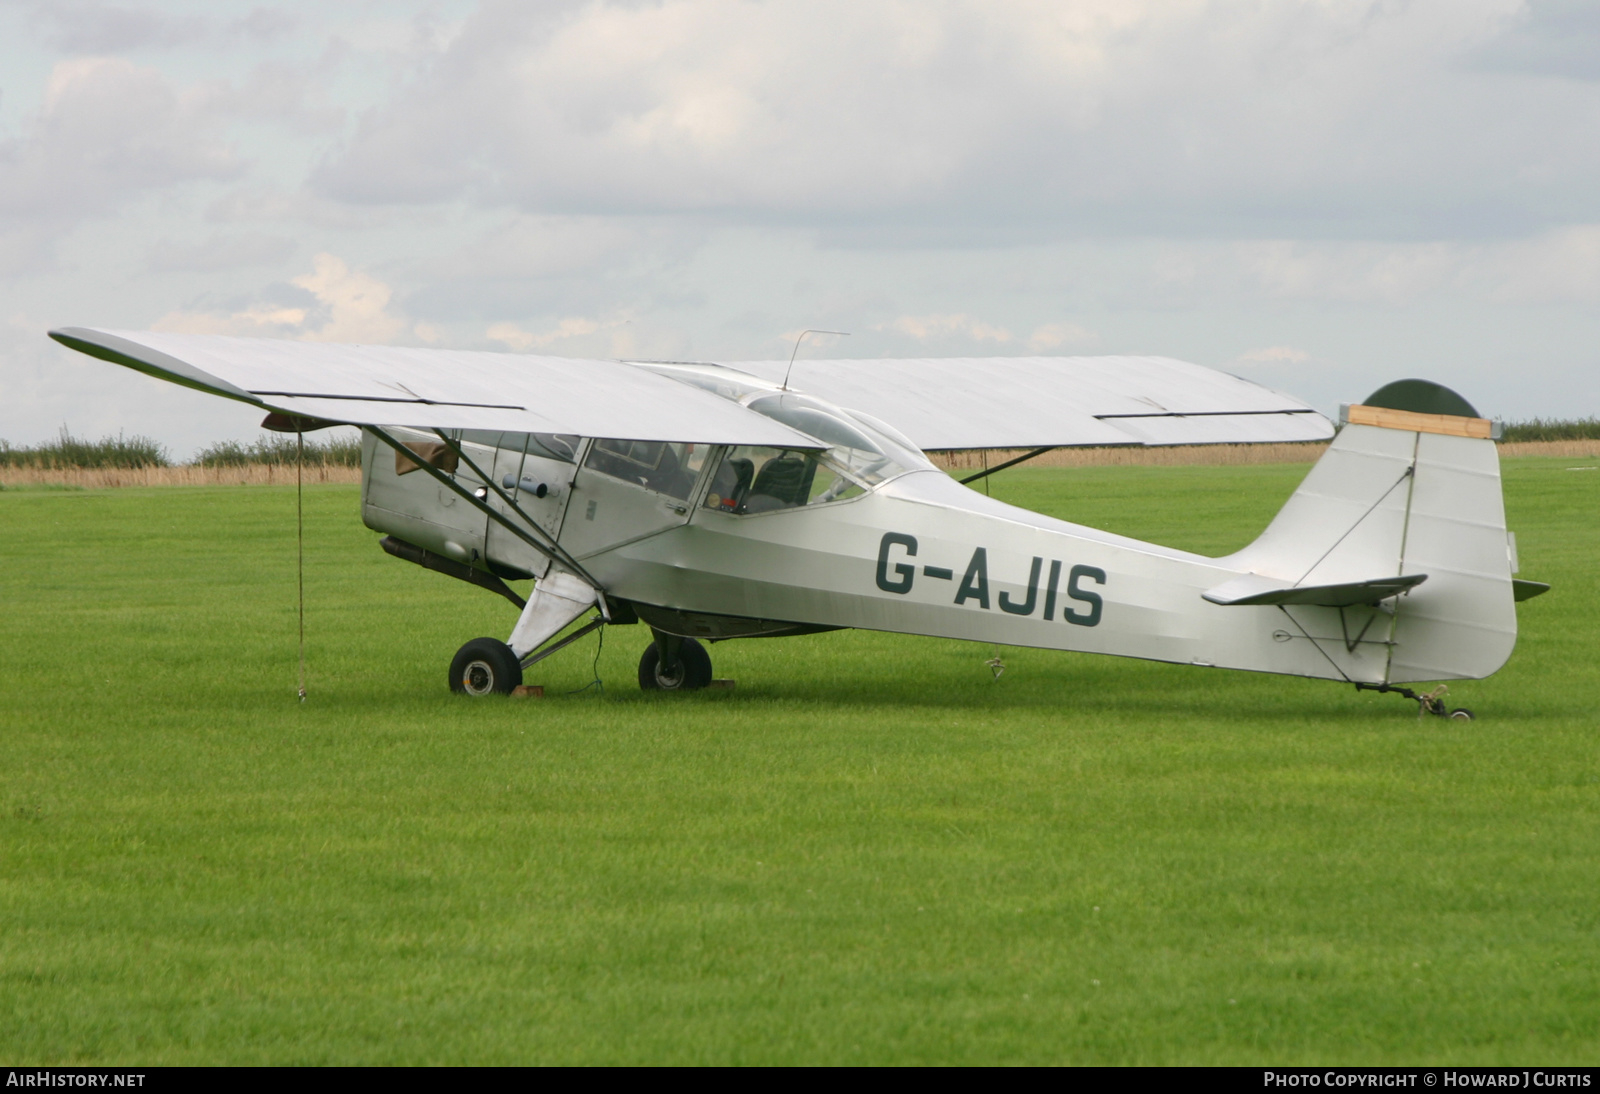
717, 501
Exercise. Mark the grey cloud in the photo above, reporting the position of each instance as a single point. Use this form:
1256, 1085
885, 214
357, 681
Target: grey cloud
530, 265
97, 28
263, 25
1340, 119
221, 252
1552, 38
109, 28
108, 130
288, 94
269, 205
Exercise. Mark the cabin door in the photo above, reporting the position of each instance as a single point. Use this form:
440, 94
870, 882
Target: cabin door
627, 490
532, 471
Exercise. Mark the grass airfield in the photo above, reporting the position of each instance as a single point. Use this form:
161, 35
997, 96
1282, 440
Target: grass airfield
870, 852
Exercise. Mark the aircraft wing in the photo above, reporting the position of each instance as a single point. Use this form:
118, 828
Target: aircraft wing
1033, 402
438, 389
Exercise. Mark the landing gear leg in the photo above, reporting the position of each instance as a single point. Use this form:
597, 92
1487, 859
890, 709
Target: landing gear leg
672, 663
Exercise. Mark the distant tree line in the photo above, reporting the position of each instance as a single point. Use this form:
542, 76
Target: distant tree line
67, 452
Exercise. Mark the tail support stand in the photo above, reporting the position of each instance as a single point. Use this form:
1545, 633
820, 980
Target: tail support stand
300, 548
1429, 702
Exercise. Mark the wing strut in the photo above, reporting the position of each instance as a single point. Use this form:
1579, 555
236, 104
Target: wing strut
1009, 463
555, 554
556, 551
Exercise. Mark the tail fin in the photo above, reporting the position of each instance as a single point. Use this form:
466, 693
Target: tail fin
1411, 485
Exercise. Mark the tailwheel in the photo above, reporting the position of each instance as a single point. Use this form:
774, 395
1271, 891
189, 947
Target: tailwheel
671, 663
485, 666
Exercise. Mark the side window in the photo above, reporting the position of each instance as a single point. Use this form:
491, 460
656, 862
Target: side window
663, 467
553, 446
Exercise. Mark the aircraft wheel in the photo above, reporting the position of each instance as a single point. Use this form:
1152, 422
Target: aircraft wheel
1461, 714
692, 671
485, 666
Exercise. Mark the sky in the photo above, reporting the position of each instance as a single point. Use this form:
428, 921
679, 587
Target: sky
1318, 195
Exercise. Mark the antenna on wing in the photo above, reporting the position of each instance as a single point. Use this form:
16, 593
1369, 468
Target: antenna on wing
797, 341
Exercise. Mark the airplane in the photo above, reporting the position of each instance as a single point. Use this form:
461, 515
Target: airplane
713, 501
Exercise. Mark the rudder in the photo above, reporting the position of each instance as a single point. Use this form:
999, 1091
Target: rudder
1407, 489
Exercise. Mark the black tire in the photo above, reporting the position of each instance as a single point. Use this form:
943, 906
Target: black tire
485, 666
1461, 714
694, 668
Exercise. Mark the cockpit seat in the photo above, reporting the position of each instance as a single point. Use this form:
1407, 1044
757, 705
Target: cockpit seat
782, 483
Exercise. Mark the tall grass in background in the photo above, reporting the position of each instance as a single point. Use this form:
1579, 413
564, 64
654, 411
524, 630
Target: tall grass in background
280, 448
1541, 429
67, 451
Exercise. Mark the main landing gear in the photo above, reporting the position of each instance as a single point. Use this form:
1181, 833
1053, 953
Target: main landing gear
671, 663
485, 666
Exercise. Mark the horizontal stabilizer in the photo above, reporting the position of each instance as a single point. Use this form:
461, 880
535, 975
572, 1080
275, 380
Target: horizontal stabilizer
1522, 589
1253, 589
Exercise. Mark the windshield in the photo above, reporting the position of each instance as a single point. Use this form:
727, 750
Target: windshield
863, 450
859, 456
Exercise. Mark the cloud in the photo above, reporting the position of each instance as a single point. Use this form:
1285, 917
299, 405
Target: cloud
1549, 38
111, 28
344, 305
1553, 267
957, 327
579, 336
1346, 118
74, 26
1272, 355
1056, 335
926, 328
357, 303
518, 339
108, 131
220, 252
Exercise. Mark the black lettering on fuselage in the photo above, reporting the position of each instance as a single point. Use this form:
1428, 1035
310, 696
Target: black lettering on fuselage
897, 577
903, 571
1091, 617
1050, 590
975, 582
1026, 607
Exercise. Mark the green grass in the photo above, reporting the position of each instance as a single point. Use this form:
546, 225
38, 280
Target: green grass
871, 851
